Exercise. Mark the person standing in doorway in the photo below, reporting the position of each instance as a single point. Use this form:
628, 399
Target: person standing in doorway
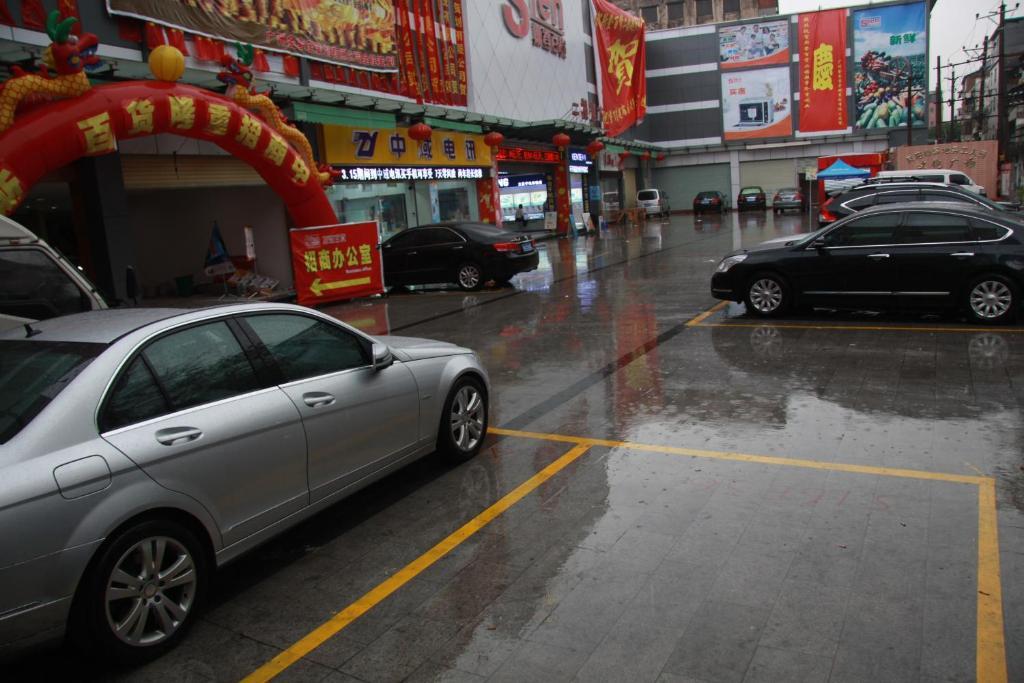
520, 215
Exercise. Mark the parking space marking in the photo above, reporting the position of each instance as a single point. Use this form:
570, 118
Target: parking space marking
990, 658
697, 322
339, 621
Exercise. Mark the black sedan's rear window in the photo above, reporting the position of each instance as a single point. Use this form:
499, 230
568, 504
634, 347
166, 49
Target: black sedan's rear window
32, 373
707, 195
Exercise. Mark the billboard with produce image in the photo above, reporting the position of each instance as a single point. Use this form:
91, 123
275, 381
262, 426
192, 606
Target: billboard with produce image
890, 54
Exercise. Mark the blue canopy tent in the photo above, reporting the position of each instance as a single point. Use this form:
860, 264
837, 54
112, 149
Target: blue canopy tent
841, 170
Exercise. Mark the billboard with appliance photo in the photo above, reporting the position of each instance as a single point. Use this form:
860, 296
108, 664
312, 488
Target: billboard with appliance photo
890, 48
759, 44
756, 104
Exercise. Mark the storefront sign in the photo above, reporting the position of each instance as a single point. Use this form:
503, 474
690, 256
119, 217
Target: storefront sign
622, 57
759, 44
823, 71
352, 146
579, 162
541, 19
369, 174
336, 262
513, 182
539, 156
359, 34
756, 104
890, 46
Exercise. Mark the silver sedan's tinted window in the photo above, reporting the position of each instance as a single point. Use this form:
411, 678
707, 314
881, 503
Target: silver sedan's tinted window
135, 399
304, 347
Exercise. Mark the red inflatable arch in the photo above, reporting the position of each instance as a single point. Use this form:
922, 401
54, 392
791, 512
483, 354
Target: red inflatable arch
53, 135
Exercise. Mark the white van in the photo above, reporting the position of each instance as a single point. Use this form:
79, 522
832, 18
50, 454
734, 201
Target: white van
36, 282
653, 201
937, 175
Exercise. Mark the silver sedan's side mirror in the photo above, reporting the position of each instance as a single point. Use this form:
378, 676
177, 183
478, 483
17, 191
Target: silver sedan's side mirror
382, 356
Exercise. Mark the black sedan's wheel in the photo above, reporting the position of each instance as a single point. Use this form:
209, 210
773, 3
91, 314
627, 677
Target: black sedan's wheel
463, 421
469, 276
767, 295
142, 594
992, 299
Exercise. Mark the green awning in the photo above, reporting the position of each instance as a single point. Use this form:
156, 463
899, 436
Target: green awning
340, 116
447, 124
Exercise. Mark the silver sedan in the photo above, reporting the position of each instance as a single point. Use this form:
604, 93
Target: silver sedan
141, 448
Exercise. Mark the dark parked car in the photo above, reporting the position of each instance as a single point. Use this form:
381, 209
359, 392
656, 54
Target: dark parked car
751, 198
468, 254
874, 193
921, 255
788, 198
712, 200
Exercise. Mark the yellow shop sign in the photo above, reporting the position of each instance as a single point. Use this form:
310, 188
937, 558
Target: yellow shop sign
351, 145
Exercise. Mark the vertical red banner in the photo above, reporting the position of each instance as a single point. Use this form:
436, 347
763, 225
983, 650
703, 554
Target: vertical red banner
405, 52
433, 61
336, 262
421, 50
620, 50
823, 100
460, 53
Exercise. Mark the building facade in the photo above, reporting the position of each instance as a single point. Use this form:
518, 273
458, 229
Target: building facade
661, 14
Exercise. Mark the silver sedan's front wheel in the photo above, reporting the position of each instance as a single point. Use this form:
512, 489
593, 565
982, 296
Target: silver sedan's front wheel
464, 420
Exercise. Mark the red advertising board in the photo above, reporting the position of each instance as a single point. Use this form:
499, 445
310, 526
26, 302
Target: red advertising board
620, 48
823, 99
336, 262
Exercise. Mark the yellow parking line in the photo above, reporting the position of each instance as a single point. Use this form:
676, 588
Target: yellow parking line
339, 621
698, 319
990, 660
744, 457
869, 328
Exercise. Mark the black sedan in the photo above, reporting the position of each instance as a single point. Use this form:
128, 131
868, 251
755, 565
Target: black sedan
920, 255
711, 200
873, 193
468, 254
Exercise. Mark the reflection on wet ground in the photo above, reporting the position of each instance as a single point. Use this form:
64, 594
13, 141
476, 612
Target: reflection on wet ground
642, 565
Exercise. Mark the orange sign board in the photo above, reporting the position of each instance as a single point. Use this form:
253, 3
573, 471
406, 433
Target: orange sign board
336, 262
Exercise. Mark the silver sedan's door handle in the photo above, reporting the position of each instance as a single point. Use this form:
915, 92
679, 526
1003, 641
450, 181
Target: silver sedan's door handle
878, 256
961, 254
316, 399
172, 436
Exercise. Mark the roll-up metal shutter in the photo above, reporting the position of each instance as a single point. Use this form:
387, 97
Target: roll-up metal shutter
166, 172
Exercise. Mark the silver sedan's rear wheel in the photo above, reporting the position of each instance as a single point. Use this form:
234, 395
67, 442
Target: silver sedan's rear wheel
992, 299
767, 295
464, 420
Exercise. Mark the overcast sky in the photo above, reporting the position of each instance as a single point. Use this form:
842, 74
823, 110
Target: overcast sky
952, 26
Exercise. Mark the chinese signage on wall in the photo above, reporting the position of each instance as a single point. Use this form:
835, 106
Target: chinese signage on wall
360, 147
823, 99
623, 64
757, 44
350, 32
756, 104
371, 174
540, 156
541, 20
890, 52
579, 161
336, 262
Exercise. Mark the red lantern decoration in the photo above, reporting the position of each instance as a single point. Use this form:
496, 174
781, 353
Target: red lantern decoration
420, 131
660, 157
595, 147
646, 154
494, 139
561, 140
623, 155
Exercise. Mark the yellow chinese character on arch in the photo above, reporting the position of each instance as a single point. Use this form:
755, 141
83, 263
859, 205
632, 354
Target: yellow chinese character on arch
352, 256
249, 132
325, 259
823, 67
141, 113
365, 257
220, 116
300, 172
276, 149
309, 257
183, 112
620, 63
11, 191
338, 258
99, 136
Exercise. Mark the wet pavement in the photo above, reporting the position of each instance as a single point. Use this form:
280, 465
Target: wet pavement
674, 491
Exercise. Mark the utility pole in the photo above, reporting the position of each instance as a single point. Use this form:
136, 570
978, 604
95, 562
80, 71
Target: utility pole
952, 101
938, 99
910, 103
981, 95
1001, 113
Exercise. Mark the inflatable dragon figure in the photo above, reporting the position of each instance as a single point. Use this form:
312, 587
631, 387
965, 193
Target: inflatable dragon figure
68, 55
239, 79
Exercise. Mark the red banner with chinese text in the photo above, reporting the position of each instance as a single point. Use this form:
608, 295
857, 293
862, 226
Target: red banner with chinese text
336, 262
620, 50
405, 51
460, 53
823, 100
433, 59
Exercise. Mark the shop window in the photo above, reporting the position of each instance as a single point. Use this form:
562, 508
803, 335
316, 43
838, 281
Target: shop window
650, 15
454, 204
731, 9
705, 12
676, 11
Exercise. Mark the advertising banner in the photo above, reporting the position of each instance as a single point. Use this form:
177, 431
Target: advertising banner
759, 44
358, 33
336, 262
823, 71
352, 145
620, 49
890, 51
756, 104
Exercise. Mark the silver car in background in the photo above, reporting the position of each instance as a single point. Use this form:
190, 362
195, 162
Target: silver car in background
141, 448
